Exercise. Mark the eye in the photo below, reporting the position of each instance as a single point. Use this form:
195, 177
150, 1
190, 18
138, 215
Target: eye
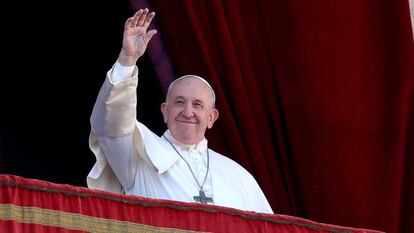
198, 105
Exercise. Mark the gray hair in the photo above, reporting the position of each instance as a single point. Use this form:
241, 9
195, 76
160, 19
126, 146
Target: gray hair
213, 95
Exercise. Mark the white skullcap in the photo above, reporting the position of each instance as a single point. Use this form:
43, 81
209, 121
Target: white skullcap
197, 77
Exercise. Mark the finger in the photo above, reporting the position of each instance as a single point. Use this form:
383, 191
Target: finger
150, 34
136, 17
142, 17
148, 19
129, 23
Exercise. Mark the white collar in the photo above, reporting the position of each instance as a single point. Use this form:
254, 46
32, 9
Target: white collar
201, 146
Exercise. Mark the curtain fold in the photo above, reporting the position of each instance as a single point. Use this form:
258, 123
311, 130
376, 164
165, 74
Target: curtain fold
315, 99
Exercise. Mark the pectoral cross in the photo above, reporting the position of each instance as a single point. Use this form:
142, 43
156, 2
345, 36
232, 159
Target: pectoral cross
202, 198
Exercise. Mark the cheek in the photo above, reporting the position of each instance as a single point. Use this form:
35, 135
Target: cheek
173, 114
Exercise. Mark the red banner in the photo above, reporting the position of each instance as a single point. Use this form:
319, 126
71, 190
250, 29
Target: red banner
29, 205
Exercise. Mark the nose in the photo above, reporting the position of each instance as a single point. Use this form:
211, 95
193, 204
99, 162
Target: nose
188, 111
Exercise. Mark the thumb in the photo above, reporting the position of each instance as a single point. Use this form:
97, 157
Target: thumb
150, 34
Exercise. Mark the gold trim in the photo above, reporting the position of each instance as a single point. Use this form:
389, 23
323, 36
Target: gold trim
84, 194
54, 218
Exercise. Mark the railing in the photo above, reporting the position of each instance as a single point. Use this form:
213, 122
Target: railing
30, 205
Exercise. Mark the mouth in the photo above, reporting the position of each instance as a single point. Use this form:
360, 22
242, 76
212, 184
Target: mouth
187, 122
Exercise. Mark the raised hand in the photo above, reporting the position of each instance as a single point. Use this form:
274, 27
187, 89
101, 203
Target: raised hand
136, 37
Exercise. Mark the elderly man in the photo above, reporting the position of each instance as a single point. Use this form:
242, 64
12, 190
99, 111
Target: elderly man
179, 166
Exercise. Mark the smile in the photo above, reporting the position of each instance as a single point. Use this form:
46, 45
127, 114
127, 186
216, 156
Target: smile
188, 122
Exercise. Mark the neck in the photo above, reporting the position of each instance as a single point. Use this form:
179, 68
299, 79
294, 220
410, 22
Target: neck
181, 144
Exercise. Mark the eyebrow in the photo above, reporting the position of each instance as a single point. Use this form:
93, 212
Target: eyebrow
183, 98
179, 97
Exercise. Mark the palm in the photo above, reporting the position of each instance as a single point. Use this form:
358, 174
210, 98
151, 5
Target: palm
135, 41
136, 37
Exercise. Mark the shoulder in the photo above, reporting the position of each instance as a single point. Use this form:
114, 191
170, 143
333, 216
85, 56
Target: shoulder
228, 164
221, 158
234, 174
150, 138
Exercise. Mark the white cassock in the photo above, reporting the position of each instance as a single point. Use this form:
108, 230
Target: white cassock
131, 159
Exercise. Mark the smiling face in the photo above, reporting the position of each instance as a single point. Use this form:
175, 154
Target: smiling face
189, 110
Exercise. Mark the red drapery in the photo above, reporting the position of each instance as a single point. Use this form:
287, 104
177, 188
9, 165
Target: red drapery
29, 205
315, 99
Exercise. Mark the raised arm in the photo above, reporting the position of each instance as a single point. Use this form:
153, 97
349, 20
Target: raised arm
113, 118
136, 37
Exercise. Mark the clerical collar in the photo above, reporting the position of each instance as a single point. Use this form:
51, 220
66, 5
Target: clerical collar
200, 146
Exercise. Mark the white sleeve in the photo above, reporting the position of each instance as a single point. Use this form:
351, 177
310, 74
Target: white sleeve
120, 155
121, 73
113, 122
101, 176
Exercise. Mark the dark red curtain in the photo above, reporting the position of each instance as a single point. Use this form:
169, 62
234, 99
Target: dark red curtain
315, 99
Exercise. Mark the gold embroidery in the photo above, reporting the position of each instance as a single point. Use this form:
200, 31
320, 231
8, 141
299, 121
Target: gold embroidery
55, 218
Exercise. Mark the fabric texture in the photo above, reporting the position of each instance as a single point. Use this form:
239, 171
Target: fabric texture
29, 205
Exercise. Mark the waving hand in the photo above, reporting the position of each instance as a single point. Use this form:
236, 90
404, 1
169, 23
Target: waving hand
136, 37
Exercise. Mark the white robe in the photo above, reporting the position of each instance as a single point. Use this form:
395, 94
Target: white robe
131, 159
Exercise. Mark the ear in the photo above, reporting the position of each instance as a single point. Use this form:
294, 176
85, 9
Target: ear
212, 118
164, 111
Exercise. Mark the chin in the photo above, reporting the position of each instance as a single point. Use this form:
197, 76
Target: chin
187, 140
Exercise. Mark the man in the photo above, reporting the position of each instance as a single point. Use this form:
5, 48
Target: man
132, 160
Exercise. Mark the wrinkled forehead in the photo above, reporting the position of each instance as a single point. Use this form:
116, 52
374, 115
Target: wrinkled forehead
190, 78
